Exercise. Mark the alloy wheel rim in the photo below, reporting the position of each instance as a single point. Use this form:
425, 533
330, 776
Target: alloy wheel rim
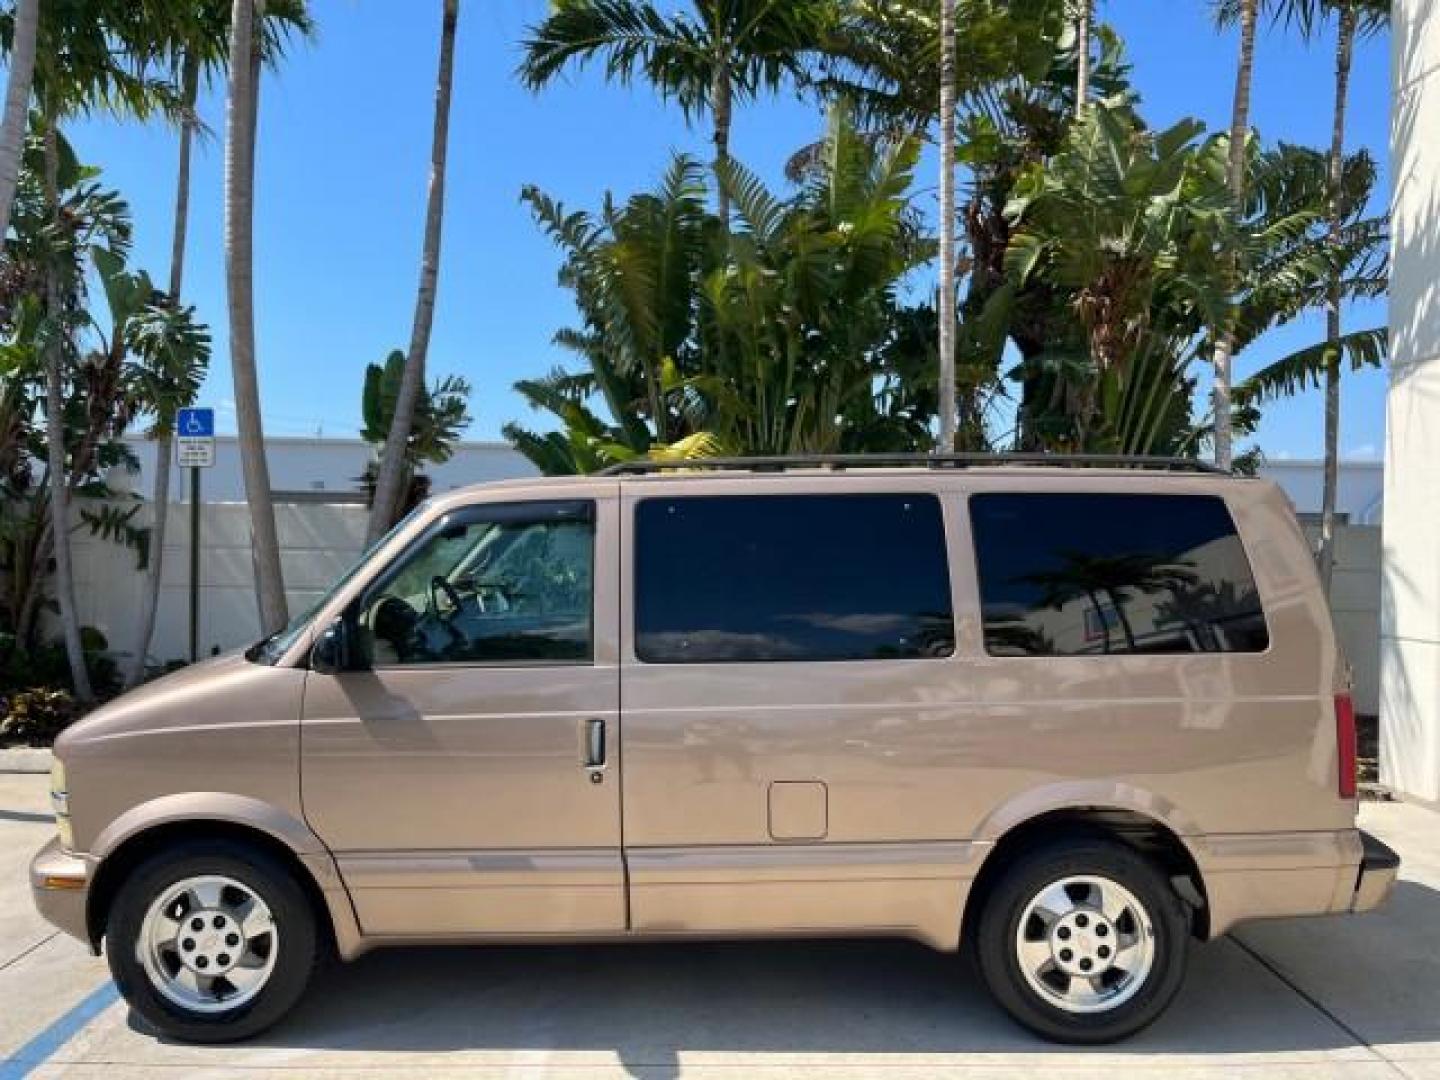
208, 943
1085, 944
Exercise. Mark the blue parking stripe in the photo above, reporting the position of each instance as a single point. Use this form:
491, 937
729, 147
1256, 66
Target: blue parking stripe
39, 1049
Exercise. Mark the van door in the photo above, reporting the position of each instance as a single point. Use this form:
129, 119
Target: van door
465, 780
796, 756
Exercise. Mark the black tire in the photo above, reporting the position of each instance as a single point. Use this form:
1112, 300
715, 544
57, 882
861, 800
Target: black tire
294, 920
997, 952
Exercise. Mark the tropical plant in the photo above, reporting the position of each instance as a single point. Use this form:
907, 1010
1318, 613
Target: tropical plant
1136, 233
440, 417
171, 352
88, 57
787, 337
724, 53
1017, 77
107, 372
34, 717
390, 478
241, 115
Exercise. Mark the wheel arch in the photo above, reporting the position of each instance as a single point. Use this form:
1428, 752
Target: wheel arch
1152, 837
153, 831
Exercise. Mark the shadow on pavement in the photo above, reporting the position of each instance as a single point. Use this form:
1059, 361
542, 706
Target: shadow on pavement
649, 1003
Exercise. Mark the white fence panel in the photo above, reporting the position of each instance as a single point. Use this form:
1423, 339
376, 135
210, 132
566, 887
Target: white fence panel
318, 543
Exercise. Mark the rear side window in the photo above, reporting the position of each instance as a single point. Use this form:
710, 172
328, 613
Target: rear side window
1078, 574
791, 577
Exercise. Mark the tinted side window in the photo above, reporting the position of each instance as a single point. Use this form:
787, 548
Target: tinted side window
488, 585
782, 577
1078, 574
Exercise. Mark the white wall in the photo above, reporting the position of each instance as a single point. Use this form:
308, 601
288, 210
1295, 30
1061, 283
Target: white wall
1410, 605
1360, 488
323, 465
318, 543
1355, 605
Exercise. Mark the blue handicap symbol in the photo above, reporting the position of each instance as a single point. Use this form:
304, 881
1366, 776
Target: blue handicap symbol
196, 423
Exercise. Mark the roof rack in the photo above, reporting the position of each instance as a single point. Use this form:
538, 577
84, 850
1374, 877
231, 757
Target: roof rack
779, 463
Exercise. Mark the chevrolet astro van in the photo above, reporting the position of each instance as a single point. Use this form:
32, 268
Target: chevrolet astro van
1066, 714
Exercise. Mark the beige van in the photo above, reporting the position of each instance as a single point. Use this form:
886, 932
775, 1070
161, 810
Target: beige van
1067, 717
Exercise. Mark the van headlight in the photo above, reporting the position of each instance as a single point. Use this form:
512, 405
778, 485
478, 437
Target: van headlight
60, 804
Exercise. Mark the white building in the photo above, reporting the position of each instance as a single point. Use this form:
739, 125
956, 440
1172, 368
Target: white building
318, 470
1410, 632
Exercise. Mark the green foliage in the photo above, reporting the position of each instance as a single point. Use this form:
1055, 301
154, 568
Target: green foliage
441, 416
45, 665
35, 717
1127, 227
117, 526
750, 45
781, 335
138, 354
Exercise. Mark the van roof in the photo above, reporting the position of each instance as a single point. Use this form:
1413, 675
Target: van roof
802, 465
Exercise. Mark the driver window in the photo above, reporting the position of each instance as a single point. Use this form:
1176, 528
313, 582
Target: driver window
489, 585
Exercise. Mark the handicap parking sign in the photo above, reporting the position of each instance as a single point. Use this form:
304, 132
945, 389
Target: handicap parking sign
195, 438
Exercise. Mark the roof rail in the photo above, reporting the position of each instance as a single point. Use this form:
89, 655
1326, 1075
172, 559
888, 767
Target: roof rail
780, 463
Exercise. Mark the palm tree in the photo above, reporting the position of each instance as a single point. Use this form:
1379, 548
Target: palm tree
728, 51
55, 436
1356, 18
1246, 13
196, 45
390, 482
17, 102
947, 227
241, 114
1082, 46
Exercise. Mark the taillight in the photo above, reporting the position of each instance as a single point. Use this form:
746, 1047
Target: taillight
1345, 743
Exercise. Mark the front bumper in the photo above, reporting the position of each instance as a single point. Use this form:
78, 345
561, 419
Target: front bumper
1379, 866
60, 885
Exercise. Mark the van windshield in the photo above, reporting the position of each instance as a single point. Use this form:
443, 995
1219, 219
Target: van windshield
269, 650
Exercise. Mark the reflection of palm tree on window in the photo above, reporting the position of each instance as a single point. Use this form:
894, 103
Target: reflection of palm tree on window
1205, 608
1117, 578
1008, 633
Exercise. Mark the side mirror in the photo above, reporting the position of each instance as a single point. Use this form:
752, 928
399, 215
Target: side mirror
338, 649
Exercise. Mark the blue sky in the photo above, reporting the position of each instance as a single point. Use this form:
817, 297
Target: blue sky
343, 160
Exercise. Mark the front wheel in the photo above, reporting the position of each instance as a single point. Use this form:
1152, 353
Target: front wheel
211, 942
1083, 941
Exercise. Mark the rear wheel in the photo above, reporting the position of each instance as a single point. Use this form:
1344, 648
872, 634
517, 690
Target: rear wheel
1083, 941
211, 942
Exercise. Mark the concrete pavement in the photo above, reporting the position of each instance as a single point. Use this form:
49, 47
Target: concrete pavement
1354, 997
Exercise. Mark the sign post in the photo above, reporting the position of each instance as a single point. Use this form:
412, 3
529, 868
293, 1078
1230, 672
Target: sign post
195, 450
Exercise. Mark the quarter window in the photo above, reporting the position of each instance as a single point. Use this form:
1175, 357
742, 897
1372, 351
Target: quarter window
491, 584
791, 577
1086, 574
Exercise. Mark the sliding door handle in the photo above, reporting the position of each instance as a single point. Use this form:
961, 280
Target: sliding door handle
594, 744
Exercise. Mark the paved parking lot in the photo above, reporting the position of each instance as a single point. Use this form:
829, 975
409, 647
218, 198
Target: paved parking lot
1345, 997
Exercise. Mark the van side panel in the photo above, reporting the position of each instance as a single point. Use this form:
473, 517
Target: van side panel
927, 763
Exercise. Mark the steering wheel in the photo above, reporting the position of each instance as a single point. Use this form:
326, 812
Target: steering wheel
438, 585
